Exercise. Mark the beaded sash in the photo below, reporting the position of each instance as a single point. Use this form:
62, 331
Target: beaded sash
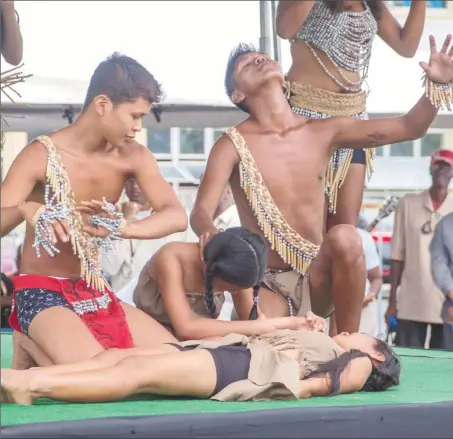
289, 245
83, 245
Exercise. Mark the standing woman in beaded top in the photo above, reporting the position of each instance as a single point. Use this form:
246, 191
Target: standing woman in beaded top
331, 43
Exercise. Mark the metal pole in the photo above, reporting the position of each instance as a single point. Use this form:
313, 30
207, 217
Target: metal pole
275, 39
265, 27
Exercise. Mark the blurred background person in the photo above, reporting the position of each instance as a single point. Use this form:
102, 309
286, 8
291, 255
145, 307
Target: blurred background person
441, 249
11, 44
419, 302
130, 255
368, 319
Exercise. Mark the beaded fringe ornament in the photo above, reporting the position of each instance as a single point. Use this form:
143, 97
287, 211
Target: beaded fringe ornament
289, 245
8, 80
85, 248
440, 95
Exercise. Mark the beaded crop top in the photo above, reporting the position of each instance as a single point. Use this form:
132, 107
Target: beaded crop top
345, 37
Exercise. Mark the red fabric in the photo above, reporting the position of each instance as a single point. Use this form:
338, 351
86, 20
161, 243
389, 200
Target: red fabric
443, 155
108, 326
436, 205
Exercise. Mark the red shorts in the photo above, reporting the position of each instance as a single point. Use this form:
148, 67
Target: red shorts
102, 313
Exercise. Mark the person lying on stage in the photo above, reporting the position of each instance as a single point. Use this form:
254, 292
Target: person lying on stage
62, 301
184, 291
276, 164
286, 364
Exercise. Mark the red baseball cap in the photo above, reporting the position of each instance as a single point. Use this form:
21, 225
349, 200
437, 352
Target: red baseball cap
443, 155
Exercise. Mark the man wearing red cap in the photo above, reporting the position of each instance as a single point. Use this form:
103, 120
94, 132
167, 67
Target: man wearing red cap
420, 301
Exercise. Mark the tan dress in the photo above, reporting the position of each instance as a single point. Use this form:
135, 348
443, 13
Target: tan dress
148, 298
278, 362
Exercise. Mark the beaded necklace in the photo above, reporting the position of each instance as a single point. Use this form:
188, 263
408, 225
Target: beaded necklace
60, 204
346, 38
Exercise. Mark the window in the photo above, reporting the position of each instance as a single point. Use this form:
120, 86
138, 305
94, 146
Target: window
379, 152
191, 141
402, 149
159, 141
430, 3
218, 133
31, 135
430, 143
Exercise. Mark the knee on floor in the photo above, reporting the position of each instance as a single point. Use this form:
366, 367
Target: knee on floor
345, 241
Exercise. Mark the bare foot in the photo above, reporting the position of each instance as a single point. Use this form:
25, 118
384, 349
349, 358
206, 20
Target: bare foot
15, 387
22, 360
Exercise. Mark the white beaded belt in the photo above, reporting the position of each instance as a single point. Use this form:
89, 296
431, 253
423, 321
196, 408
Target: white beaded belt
91, 305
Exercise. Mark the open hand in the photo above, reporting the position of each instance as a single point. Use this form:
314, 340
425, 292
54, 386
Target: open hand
311, 322
59, 230
440, 66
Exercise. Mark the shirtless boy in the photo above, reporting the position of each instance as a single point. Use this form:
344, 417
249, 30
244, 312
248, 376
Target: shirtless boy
275, 162
62, 302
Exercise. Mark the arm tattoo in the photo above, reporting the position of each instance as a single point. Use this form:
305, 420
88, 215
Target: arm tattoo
375, 139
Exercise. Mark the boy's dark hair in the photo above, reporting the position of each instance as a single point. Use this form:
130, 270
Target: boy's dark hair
123, 79
239, 257
236, 53
383, 376
374, 5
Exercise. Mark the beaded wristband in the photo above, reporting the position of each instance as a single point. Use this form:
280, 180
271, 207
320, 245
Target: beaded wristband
114, 224
42, 223
440, 95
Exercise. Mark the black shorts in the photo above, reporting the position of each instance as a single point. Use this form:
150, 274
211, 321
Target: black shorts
358, 157
232, 363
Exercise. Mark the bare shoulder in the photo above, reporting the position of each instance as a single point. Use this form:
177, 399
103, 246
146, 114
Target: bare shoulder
135, 151
34, 158
224, 147
169, 258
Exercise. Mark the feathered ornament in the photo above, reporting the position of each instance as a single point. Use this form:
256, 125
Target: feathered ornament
8, 80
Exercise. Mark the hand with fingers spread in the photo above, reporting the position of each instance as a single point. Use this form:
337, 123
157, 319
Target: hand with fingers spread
50, 224
440, 66
105, 219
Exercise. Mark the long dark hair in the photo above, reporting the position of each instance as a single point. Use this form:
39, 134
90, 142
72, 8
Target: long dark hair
374, 5
383, 376
239, 257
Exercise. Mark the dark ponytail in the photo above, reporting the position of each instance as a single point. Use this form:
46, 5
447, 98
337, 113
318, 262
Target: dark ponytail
238, 257
384, 375
209, 295
254, 311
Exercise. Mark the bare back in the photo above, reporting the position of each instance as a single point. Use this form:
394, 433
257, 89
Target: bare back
293, 168
93, 176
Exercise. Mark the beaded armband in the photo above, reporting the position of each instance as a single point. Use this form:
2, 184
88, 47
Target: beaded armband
114, 223
42, 223
440, 95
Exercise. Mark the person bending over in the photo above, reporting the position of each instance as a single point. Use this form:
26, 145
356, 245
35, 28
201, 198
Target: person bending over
285, 364
184, 292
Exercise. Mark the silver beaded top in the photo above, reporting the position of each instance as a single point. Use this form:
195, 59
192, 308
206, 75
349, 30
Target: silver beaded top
345, 37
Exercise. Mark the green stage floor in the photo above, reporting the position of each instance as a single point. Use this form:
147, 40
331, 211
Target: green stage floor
427, 377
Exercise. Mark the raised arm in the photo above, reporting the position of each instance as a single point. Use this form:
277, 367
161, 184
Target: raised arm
352, 379
403, 40
291, 15
221, 162
354, 133
12, 44
169, 215
25, 172
440, 257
